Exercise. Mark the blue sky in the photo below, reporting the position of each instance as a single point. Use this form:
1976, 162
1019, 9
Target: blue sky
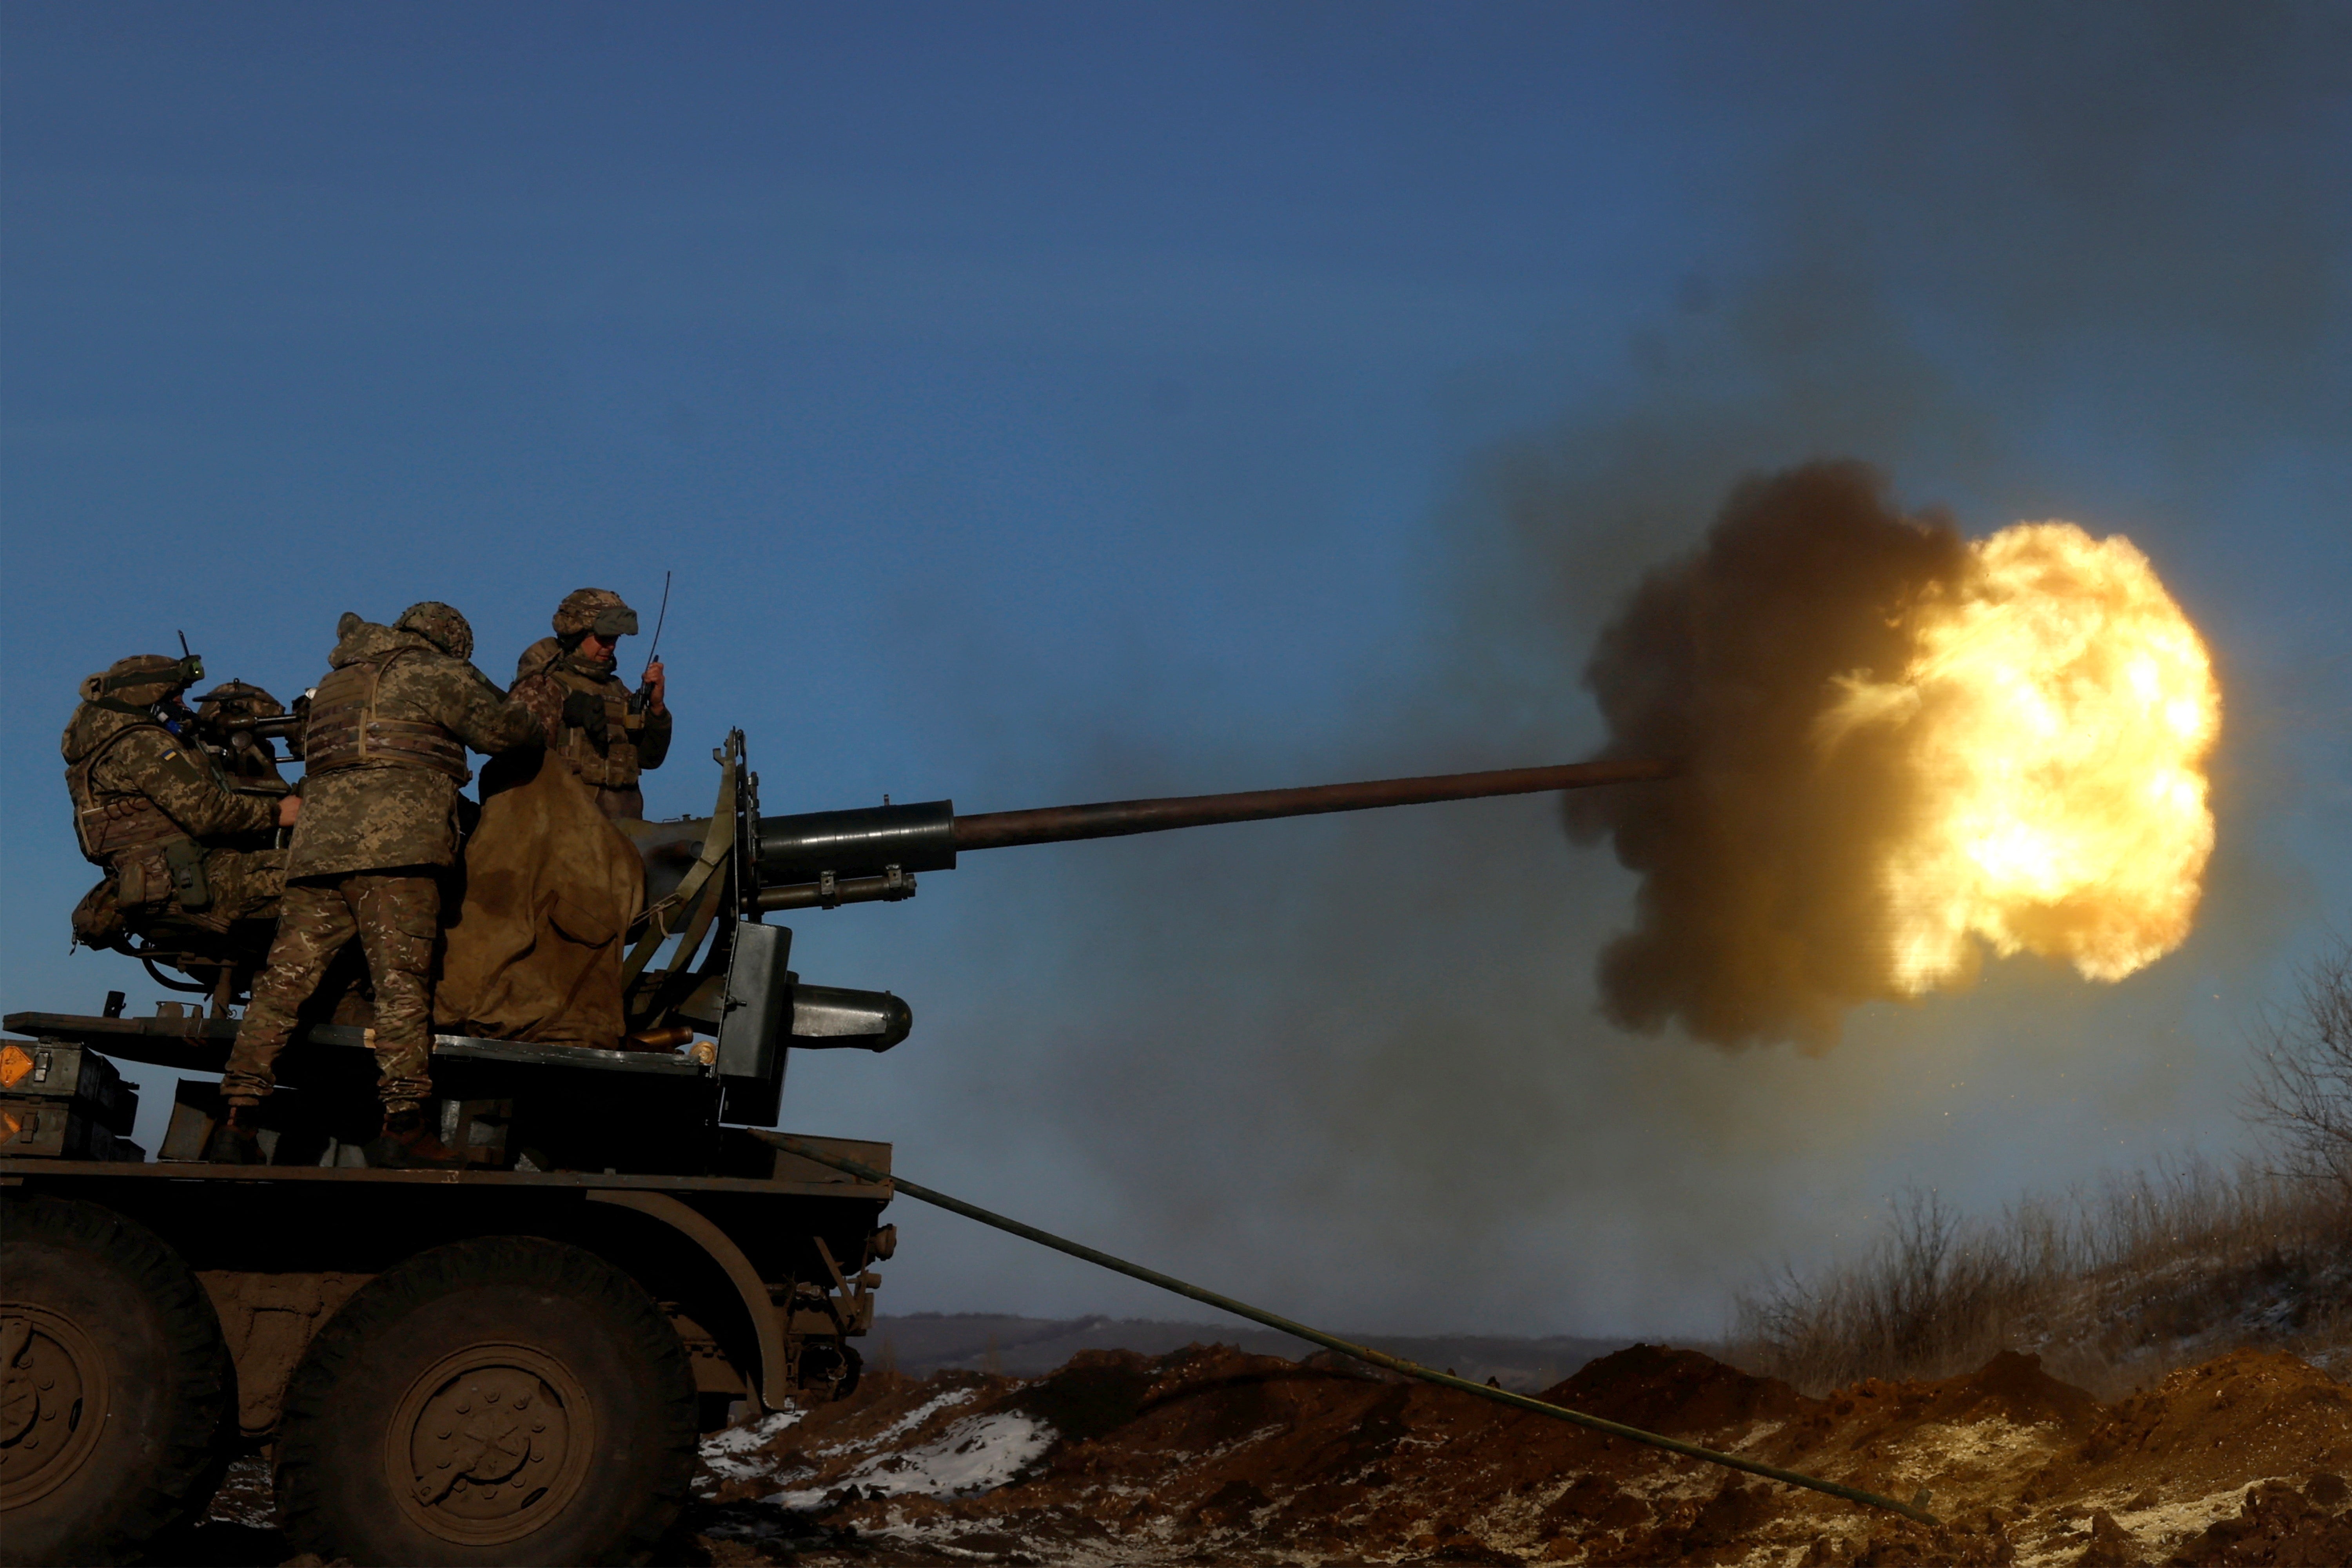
1045, 403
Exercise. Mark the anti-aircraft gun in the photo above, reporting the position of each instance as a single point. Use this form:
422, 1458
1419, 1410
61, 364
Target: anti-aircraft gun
513, 1359
727, 870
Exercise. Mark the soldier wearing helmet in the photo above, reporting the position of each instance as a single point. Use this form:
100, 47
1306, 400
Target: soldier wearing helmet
227, 720
605, 732
383, 747
180, 845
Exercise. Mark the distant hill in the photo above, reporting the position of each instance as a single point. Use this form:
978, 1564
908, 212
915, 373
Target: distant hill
920, 1344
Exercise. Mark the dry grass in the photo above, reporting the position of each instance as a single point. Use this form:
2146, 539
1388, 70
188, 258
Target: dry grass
2112, 1289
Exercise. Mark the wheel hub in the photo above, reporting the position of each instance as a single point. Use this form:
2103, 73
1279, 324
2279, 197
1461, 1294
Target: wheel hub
52, 1402
490, 1444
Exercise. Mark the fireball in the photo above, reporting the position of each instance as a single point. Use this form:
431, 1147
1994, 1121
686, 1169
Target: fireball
2054, 718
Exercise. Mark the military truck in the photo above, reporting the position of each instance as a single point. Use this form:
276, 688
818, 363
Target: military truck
512, 1361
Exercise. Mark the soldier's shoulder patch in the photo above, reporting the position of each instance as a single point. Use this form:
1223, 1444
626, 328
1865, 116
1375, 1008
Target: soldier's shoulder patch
176, 757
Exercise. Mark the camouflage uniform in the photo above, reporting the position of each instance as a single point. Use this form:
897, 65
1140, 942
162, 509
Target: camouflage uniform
395, 917
178, 841
385, 746
594, 722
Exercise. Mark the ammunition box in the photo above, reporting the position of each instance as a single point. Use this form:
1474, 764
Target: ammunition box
49, 1070
57, 1129
195, 1111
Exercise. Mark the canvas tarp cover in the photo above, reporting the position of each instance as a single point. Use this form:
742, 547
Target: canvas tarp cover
551, 887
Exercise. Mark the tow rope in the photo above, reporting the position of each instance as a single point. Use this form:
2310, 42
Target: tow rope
1915, 1510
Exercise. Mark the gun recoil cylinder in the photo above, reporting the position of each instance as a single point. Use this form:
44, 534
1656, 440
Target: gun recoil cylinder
865, 841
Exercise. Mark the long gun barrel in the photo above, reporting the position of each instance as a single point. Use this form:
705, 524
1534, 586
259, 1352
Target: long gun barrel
828, 858
1111, 819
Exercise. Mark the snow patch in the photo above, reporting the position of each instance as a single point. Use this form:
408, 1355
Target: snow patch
246, 1496
909, 1421
977, 1454
2167, 1524
1985, 1445
733, 1455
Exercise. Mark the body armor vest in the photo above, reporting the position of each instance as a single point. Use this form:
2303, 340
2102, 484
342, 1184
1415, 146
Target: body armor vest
127, 834
343, 730
605, 754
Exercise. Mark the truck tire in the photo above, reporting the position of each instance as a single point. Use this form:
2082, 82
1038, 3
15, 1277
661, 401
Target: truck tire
506, 1399
116, 1381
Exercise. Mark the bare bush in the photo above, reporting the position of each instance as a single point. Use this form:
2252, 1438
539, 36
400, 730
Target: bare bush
2113, 1288
1926, 1294
2302, 1092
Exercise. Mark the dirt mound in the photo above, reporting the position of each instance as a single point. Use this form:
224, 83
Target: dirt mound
1209, 1453
1676, 1392
2010, 1395
2253, 1406
1094, 1393
2013, 1388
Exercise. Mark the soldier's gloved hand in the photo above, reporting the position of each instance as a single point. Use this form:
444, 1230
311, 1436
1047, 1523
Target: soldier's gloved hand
655, 683
290, 807
584, 711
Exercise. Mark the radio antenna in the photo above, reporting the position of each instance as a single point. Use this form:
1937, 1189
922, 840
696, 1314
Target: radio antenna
661, 616
653, 650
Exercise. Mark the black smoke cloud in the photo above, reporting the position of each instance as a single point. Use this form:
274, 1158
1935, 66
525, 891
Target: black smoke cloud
1757, 911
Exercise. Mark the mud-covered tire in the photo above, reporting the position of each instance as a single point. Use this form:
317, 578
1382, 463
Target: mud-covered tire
507, 1399
116, 1366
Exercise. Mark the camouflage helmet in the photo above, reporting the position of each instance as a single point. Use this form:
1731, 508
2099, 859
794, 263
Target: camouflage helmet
142, 680
235, 702
598, 610
439, 624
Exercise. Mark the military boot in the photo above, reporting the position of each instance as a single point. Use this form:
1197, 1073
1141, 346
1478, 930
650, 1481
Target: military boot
235, 1141
407, 1143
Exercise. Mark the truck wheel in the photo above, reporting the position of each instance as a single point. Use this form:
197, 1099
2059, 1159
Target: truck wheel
507, 1399
113, 1379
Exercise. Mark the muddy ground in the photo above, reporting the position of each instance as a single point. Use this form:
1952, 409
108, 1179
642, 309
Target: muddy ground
1208, 1454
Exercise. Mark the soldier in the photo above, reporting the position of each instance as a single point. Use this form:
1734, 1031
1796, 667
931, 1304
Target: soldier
226, 720
604, 730
384, 745
178, 843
